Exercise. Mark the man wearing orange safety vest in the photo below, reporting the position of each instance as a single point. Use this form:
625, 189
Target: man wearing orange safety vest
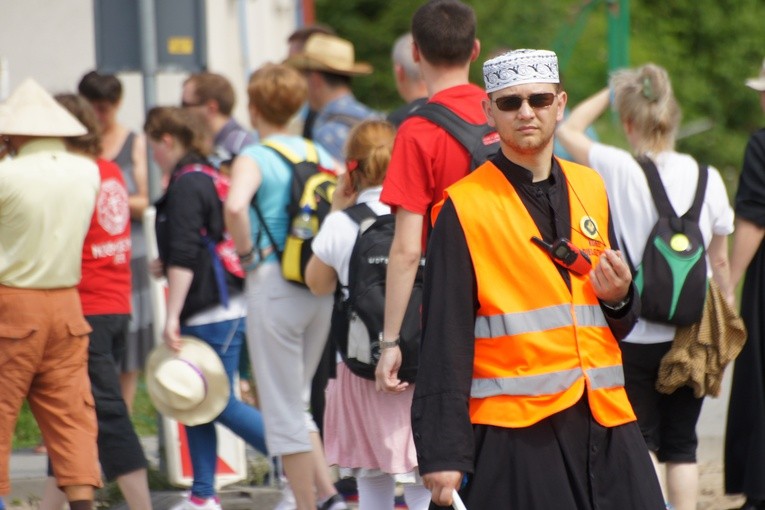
520, 399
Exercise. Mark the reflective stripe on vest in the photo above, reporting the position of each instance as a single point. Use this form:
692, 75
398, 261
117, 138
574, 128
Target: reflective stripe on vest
539, 342
547, 384
538, 320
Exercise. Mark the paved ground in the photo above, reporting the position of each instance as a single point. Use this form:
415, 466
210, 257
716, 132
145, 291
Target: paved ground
28, 472
28, 469
711, 430
28, 476
711, 477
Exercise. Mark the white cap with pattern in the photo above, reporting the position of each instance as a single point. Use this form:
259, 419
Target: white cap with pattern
519, 67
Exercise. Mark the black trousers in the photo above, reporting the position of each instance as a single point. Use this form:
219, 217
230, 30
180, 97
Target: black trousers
567, 461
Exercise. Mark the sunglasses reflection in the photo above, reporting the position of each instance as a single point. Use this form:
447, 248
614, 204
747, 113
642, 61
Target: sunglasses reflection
513, 103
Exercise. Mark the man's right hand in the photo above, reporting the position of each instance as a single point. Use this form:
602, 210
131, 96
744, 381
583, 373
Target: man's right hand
441, 485
386, 373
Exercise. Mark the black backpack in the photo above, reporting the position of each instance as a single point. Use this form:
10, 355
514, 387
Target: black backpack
672, 276
480, 140
311, 191
358, 320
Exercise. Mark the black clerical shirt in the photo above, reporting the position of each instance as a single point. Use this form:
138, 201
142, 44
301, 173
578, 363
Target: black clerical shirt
449, 312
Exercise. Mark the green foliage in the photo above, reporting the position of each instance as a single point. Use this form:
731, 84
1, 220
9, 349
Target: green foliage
709, 48
27, 432
144, 415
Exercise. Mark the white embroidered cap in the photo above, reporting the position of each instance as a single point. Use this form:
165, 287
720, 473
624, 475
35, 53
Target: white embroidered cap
519, 67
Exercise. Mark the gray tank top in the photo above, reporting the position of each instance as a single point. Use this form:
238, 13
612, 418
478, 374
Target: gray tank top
124, 160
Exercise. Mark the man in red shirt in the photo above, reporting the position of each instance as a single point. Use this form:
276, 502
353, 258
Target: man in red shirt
426, 159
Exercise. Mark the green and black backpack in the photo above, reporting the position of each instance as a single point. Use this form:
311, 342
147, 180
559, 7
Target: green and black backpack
672, 276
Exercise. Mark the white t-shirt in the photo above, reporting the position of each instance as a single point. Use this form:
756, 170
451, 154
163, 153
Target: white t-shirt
334, 242
634, 213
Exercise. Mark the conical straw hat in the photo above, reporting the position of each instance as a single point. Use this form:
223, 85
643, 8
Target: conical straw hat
31, 111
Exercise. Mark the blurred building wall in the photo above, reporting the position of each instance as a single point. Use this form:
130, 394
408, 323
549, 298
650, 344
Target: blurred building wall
53, 42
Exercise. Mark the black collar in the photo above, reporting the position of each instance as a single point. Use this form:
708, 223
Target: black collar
521, 177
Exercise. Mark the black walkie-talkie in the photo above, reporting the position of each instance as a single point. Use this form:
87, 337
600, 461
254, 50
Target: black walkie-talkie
566, 254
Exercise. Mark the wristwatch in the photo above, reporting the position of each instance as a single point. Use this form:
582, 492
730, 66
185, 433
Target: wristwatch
387, 344
618, 306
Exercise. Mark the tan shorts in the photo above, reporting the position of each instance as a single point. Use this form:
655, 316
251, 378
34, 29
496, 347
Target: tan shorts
43, 358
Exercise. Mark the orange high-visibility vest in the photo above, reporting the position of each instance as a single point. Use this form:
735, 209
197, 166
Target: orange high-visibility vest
538, 345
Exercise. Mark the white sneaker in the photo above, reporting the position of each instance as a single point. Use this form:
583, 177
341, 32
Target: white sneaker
188, 504
288, 498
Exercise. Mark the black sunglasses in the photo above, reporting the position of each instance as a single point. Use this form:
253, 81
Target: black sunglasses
514, 103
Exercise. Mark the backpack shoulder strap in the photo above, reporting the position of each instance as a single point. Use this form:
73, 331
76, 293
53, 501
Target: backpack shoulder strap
311, 153
284, 152
220, 182
290, 156
659, 194
196, 167
630, 264
187, 169
444, 117
694, 212
265, 228
360, 212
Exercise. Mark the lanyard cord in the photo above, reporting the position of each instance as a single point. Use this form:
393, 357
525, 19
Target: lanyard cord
567, 218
